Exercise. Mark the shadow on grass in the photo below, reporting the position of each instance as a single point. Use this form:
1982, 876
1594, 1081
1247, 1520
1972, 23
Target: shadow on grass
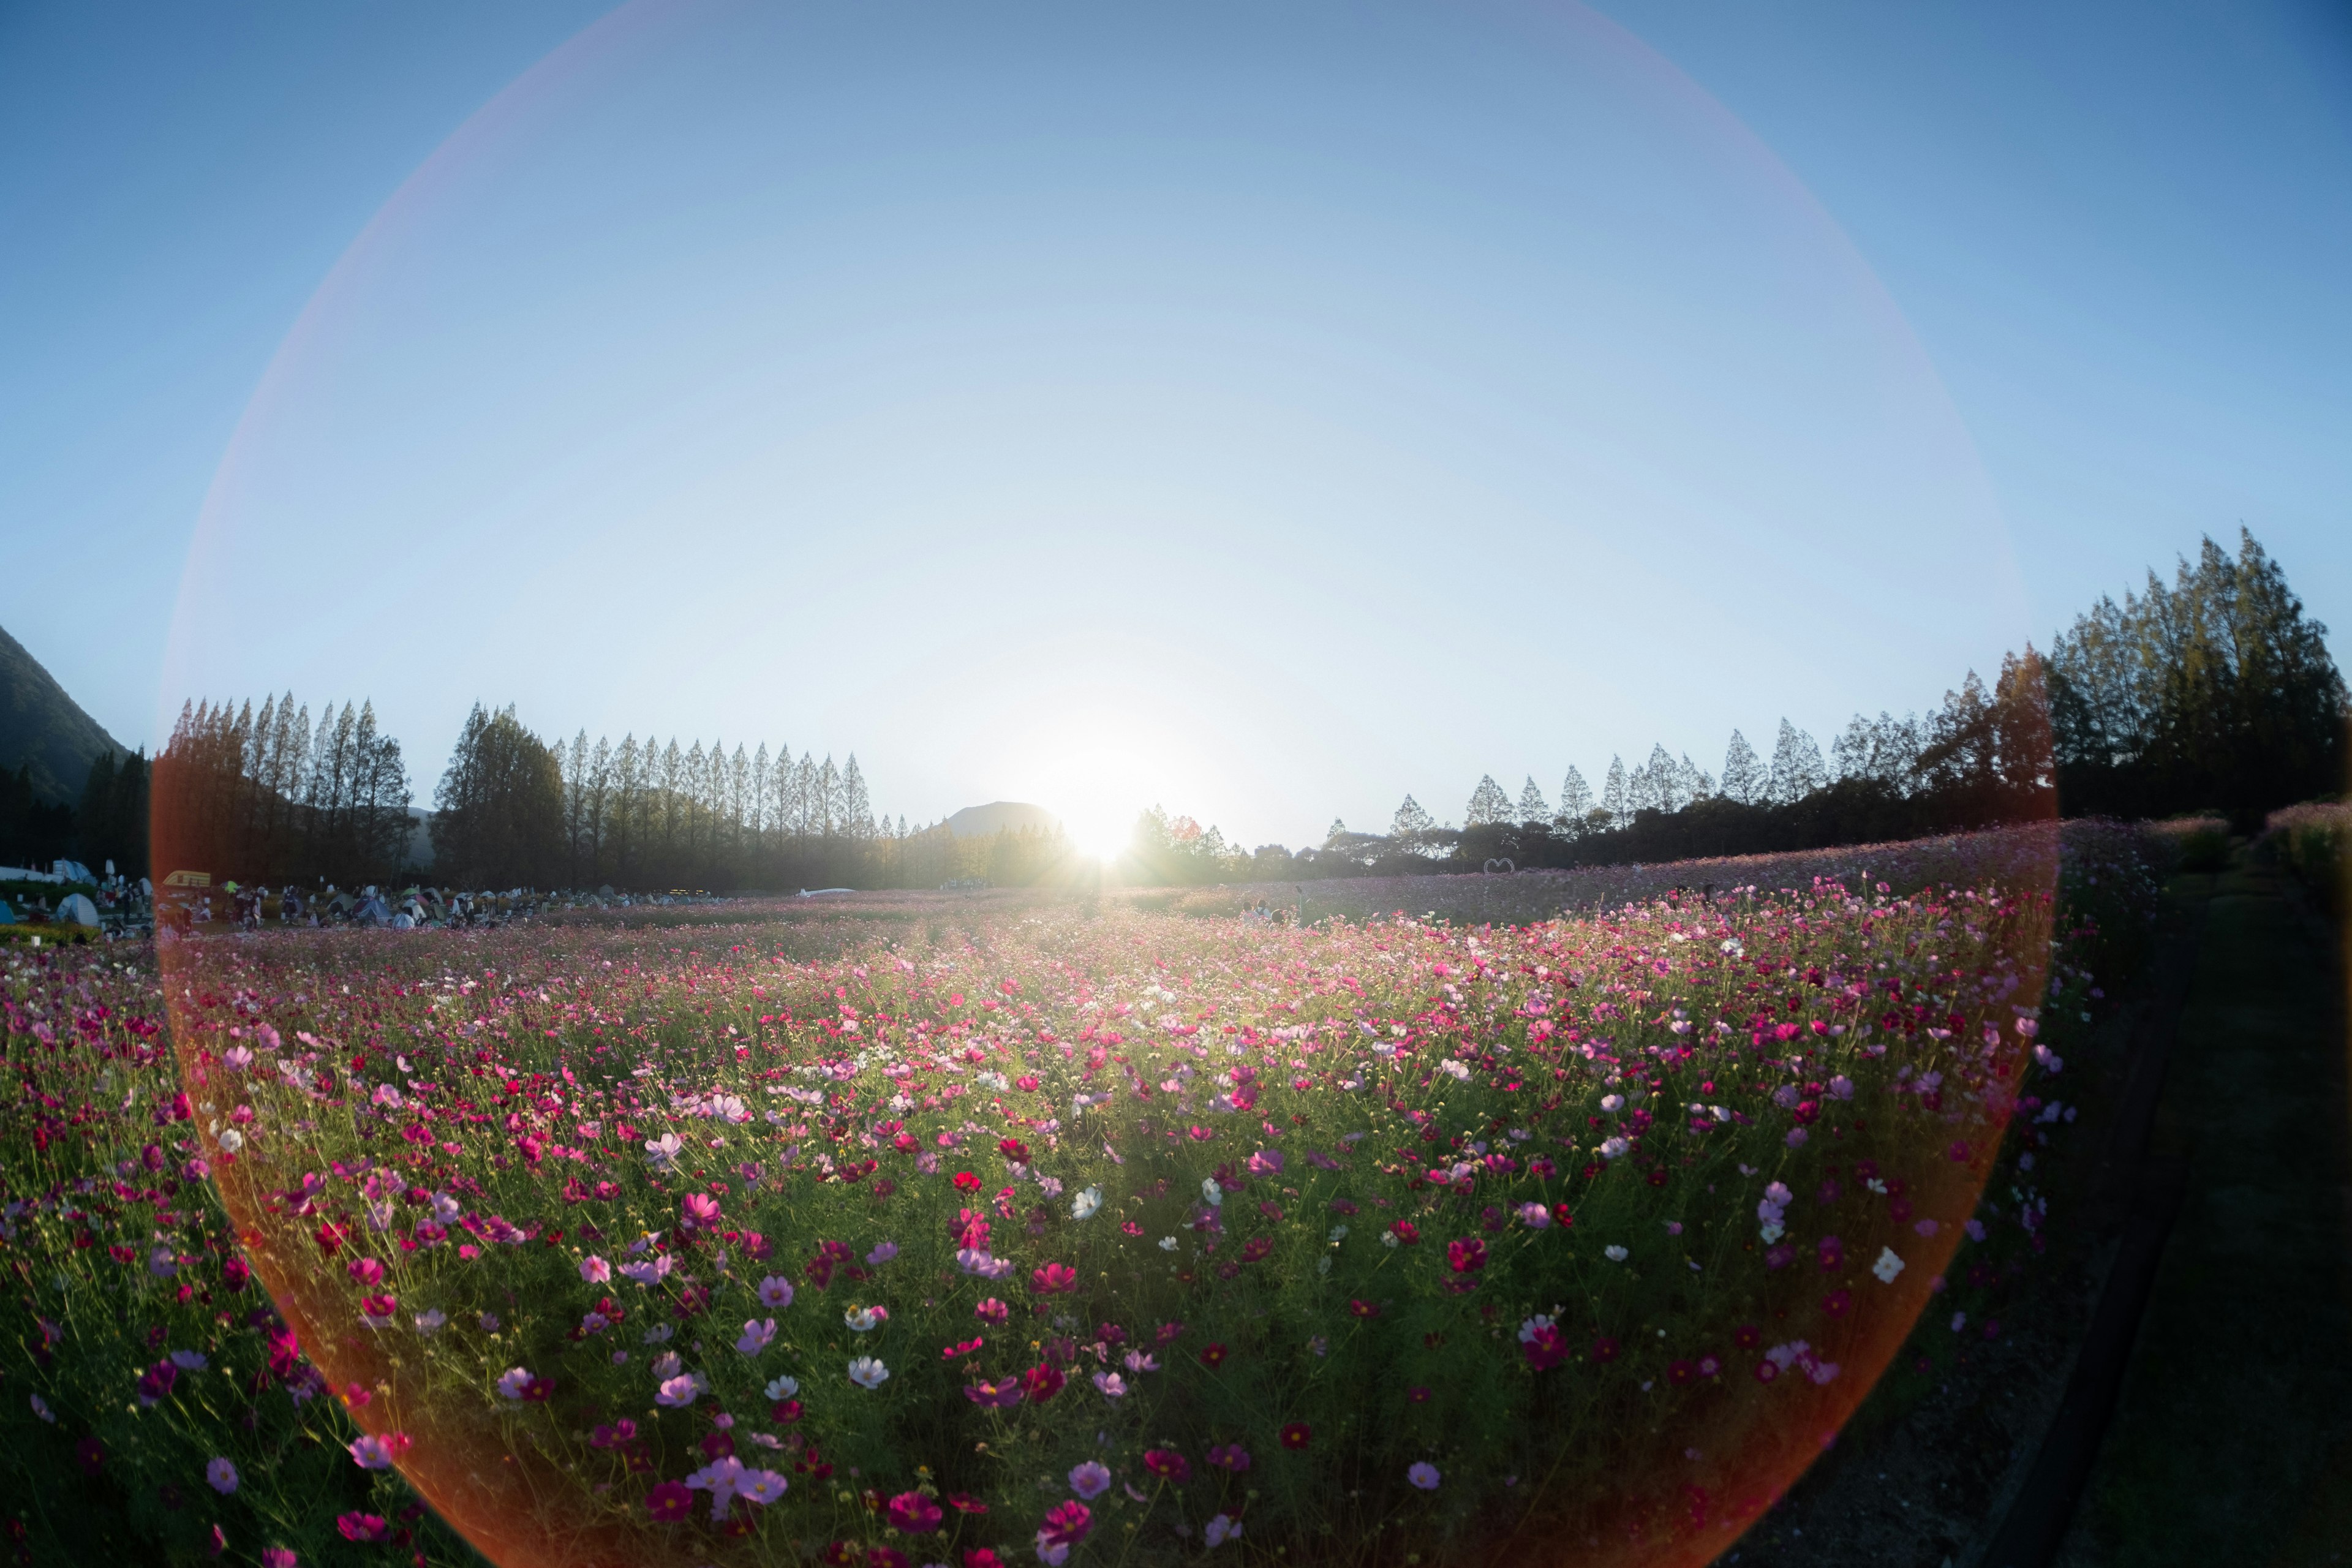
2233, 1440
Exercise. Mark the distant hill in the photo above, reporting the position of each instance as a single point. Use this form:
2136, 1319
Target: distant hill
42, 727
979, 821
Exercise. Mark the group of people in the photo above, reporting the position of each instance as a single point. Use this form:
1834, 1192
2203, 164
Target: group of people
252, 906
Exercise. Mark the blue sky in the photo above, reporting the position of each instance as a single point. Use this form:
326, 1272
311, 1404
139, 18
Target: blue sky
1264, 412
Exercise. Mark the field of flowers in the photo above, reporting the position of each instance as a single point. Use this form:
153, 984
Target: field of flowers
1057, 1230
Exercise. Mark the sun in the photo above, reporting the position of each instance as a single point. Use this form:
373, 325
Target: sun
1097, 778
1100, 829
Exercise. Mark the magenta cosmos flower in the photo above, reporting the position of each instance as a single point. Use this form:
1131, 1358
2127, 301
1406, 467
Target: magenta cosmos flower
915, 1514
1065, 1527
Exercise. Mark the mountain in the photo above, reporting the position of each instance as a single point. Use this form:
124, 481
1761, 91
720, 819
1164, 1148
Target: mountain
979, 821
42, 727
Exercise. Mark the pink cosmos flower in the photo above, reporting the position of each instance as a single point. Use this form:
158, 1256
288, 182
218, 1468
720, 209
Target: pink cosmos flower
756, 1335
1000, 1395
1066, 1525
775, 1291
595, 1270
915, 1514
679, 1392
1230, 1456
700, 1209
1544, 1346
1466, 1256
157, 1380
720, 1478
220, 1476
1424, 1476
1224, 1527
669, 1501
371, 1452
1055, 1280
991, 1310
1167, 1464
357, 1526
279, 1557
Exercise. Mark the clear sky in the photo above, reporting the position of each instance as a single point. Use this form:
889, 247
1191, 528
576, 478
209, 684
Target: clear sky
1264, 411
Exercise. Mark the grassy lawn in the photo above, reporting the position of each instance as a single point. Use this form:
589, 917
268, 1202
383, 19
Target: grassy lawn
2233, 1440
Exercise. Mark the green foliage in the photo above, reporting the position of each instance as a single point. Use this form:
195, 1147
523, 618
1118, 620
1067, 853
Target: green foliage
2314, 839
498, 813
2217, 691
266, 797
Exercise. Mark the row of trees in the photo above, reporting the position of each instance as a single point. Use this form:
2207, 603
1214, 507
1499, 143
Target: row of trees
33, 831
269, 797
2217, 693
515, 809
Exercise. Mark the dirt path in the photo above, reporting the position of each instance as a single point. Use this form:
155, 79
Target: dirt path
2232, 1441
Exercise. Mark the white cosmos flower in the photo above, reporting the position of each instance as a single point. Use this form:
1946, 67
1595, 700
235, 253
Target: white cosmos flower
1211, 1193
784, 1387
866, 1371
862, 1320
1167, 1244
1085, 1202
1888, 1266
1613, 1253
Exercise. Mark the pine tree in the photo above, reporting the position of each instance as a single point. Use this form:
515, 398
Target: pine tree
1575, 801
1796, 769
1338, 831
599, 813
498, 811
1488, 803
824, 806
1691, 783
854, 803
1412, 826
1743, 777
1534, 810
1613, 795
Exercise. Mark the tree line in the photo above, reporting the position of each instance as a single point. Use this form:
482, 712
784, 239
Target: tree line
270, 796
2214, 694
515, 809
109, 822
